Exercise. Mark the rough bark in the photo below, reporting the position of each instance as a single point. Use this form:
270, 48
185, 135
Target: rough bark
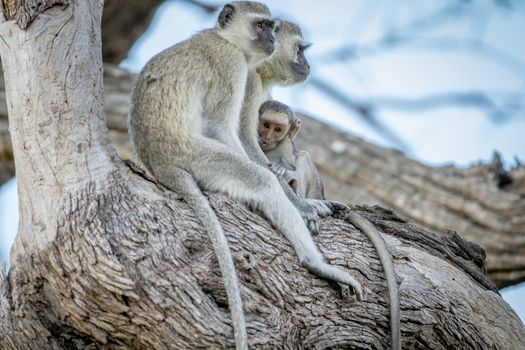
483, 202
107, 258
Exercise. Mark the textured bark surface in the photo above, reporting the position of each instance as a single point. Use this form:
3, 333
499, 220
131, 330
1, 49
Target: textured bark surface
131, 267
483, 202
108, 259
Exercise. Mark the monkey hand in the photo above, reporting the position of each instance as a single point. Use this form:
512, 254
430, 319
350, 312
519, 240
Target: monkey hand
312, 210
278, 169
339, 210
290, 176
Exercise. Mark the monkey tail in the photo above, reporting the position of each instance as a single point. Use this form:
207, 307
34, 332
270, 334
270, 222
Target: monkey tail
388, 266
183, 183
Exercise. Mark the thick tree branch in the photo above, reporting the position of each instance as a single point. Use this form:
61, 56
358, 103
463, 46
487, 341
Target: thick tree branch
106, 258
483, 202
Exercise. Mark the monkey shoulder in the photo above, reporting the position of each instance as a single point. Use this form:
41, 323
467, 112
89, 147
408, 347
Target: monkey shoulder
303, 155
205, 51
304, 158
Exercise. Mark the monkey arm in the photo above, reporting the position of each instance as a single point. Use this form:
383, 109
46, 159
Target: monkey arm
310, 184
253, 96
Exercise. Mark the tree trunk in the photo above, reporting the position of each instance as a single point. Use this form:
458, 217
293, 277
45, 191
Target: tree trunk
107, 258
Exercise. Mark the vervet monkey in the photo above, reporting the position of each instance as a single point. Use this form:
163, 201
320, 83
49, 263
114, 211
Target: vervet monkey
184, 117
278, 127
287, 66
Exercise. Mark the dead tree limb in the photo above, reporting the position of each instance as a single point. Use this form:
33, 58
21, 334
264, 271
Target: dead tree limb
484, 202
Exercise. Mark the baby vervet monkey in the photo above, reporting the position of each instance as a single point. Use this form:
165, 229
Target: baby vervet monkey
278, 127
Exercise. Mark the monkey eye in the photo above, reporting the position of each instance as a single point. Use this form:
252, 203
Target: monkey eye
266, 125
303, 47
259, 25
277, 129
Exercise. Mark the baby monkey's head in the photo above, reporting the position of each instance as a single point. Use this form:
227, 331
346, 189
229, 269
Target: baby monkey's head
277, 121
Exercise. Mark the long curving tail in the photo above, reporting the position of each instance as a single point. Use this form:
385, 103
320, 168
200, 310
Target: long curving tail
183, 183
388, 266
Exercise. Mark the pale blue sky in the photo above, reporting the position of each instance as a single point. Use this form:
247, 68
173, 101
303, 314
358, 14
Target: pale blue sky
447, 135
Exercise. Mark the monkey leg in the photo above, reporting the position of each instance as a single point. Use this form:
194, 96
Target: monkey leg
310, 184
217, 168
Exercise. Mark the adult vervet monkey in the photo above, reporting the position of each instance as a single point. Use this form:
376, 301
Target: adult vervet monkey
278, 127
184, 119
288, 66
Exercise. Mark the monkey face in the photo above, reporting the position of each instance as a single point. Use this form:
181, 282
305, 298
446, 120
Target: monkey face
300, 65
249, 26
264, 31
288, 65
273, 128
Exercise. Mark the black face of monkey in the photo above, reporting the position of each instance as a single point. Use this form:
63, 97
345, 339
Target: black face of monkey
264, 29
250, 21
300, 66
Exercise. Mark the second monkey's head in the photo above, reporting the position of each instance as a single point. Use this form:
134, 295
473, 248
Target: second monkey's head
288, 65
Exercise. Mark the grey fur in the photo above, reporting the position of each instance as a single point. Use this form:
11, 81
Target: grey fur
388, 266
298, 166
277, 107
184, 120
251, 7
278, 70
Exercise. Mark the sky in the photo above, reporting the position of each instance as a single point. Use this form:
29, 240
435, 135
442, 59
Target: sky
427, 65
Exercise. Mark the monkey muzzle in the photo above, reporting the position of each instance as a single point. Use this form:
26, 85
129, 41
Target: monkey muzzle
266, 42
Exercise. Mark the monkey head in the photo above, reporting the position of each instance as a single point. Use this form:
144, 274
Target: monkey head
276, 122
288, 65
249, 26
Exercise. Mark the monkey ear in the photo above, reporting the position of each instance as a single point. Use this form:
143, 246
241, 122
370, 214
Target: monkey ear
226, 15
294, 128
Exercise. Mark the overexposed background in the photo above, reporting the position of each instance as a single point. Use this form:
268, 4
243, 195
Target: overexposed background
445, 79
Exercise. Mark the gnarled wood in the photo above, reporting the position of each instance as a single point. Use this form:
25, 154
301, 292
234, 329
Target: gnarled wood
130, 268
106, 258
478, 201
483, 202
